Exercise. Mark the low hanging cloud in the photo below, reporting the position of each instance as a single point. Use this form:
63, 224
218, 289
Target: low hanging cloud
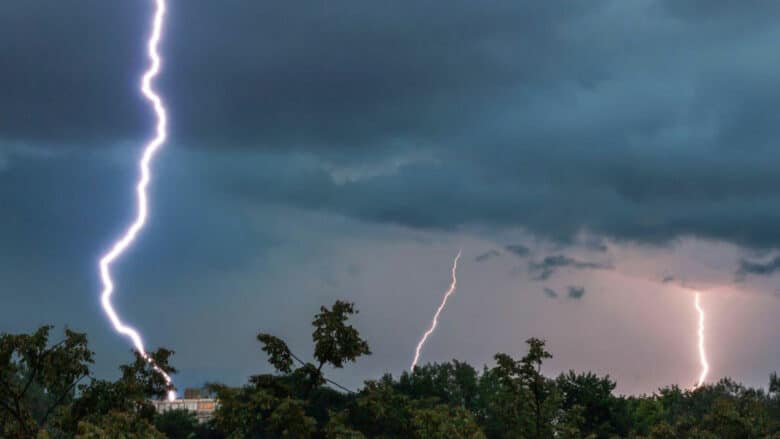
747, 267
572, 292
518, 250
596, 245
551, 264
490, 254
576, 292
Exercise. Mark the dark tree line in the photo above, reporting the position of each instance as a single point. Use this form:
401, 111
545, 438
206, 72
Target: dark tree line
47, 391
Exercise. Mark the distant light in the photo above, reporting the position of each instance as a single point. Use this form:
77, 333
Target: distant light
705, 366
438, 311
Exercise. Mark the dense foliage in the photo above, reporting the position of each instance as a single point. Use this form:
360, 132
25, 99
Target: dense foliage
47, 391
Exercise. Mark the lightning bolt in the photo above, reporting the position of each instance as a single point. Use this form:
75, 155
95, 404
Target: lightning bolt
140, 220
435, 321
705, 367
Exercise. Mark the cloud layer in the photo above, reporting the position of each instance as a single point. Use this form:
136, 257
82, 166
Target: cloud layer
643, 121
551, 264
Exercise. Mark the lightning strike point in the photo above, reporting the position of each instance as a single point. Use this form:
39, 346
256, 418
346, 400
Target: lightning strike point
435, 321
705, 367
126, 239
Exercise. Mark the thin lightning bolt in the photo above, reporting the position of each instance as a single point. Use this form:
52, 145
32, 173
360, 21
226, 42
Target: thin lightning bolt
705, 367
435, 321
148, 153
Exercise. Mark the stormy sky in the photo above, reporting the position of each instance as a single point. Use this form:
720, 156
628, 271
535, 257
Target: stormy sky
596, 161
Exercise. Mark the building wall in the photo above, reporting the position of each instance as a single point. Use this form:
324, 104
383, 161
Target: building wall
202, 407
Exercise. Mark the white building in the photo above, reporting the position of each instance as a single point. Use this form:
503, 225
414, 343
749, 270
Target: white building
202, 407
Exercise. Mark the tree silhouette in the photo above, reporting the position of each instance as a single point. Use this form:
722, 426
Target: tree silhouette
47, 391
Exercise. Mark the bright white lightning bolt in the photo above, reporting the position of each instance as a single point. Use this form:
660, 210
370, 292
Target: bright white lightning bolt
435, 321
148, 153
705, 367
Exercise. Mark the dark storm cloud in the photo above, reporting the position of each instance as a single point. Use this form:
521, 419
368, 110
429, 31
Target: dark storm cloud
641, 121
247, 74
596, 245
572, 292
576, 292
70, 71
747, 267
550, 265
490, 254
518, 250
